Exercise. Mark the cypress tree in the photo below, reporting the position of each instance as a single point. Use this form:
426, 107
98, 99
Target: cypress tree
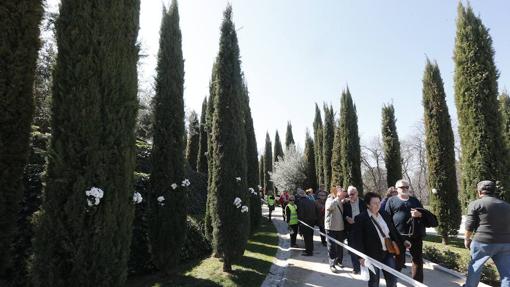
391, 145
252, 162
84, 234
350, 150
168, 216
193, 142
231, 222
336, 163
311, 177
261, 171
278, 149
317, 136
289, 138
202, 148
268, 165
328, 134
504, 110
208, 121
19, 42
483, 152
439, 143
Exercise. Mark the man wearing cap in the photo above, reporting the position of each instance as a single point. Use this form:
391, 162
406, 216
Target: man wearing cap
307, 212
488, 218
403, 210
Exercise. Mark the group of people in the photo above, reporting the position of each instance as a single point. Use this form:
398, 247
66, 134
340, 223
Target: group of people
384, 228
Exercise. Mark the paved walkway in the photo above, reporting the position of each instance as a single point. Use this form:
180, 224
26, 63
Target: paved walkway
292, 269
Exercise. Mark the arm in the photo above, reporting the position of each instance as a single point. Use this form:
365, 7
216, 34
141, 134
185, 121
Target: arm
287, 214
472, 222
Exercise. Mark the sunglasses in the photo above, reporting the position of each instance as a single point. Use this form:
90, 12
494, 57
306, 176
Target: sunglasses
404, 187
351, 194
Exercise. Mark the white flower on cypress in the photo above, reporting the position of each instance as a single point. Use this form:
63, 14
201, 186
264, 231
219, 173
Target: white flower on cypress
185, 183
244, 209
237, 202
137, 198
94, 196
238, 179
174, 186
161, 198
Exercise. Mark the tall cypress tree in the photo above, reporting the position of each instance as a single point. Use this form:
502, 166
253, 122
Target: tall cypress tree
483, 152
230, 223
504, 110
252, 161
268, 165
84, 234
336, 159
168, 216
439, 143
391, 145
317, 136
202, 148
19, 42
311, 177
289, 138
278, 149
193, 142
350, 150
328, 134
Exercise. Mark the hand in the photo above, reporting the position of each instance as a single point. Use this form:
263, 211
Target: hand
350, 220
362, 262
407, 244
467, 243
415, 213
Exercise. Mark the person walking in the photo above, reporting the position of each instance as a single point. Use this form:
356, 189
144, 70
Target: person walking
321, 208
488, 219
270, 203
352, 208
402, 209
307, 213
292, 220
334, 225
373, 235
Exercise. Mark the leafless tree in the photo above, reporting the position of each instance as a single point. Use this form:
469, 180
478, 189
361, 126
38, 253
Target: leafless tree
372, 166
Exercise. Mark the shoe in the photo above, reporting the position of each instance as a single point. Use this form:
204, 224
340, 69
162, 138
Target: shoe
355, 272
339, 265
333, 269
306, 254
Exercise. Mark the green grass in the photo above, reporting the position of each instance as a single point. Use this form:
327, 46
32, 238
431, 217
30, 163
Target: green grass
250, 271
455, 256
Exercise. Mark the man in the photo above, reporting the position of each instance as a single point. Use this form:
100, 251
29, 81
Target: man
402, 209
307, 212
321, 205
353, 208
334, 226
292, 220
270, 203
489, 219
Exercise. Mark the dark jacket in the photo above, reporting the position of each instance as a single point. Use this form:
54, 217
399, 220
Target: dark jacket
400, 212
307, 211
348, 212
366, 238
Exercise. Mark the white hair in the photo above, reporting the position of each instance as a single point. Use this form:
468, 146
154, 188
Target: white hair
401, 182
352, 188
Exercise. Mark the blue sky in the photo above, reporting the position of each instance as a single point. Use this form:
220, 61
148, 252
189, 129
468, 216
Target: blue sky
299, 52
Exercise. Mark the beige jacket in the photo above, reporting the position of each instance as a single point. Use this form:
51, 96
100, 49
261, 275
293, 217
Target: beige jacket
333, 218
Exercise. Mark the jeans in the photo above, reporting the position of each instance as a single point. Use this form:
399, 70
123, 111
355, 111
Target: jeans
391, 280
335, 251
481, 252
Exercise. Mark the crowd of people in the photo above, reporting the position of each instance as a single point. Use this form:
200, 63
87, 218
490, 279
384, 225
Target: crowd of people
385, 228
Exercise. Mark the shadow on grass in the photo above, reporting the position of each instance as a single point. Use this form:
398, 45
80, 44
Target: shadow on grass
176, 281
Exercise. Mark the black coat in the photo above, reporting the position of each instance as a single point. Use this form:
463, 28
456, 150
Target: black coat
365, 236
307, 211
348, 212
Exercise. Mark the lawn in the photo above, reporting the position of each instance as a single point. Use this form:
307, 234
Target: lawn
250, 271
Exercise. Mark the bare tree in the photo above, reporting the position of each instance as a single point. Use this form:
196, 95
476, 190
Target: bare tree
372, 166
414, 164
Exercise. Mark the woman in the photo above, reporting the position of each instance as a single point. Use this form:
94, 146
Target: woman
369, 232
334, 225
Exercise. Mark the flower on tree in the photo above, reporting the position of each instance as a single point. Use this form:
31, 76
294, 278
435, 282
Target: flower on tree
237, 202
185, 183
137, 198
94, 196
174, 186
244, 209
161, 200
238, 179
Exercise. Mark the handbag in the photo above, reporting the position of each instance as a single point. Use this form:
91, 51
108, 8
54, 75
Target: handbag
391, 246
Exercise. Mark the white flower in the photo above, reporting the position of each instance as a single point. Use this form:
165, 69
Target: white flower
244, 209
174, 185
88, 192
251, 190
237, 202
97, 201
434, 191
238, 179
161, 199
95, 192
137, 198
89, 202
185, 183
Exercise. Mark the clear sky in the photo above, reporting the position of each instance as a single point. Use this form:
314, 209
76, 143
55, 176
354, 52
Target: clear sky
296, 53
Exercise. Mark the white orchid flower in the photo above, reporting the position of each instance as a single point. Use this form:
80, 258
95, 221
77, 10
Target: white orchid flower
137, 198
244, 209
237, 202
